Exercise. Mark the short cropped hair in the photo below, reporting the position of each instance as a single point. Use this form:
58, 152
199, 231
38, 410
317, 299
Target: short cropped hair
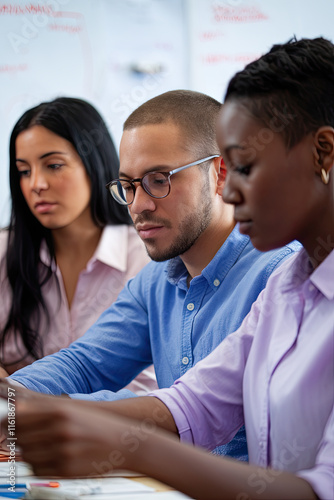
290, 89
195, 113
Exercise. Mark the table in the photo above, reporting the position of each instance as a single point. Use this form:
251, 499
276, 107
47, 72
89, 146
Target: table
116, 486
153, 483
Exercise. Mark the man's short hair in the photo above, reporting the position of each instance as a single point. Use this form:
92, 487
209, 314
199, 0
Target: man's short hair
195, 113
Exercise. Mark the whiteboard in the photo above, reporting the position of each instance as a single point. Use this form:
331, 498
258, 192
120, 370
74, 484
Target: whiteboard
114, 53
119, 53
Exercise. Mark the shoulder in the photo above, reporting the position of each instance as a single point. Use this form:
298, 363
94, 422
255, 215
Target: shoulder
273, 258
238, 248
281, 276
284, 254
261, 265
277, 256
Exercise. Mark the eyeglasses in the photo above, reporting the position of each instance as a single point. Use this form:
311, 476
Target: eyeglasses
155, 184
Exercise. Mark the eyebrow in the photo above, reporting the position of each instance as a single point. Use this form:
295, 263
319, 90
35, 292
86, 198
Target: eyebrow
157, 168
45, 155
233, 146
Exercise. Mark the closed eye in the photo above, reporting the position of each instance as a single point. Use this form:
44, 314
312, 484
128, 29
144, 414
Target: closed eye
161, 181
24, 173
243, 169
55, 166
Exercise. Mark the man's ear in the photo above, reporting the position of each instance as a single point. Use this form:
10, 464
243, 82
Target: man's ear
221, 176
323, 149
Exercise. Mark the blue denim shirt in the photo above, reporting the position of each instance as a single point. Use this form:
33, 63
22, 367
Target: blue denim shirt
158, 319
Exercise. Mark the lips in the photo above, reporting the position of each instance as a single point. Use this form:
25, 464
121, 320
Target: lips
245, 226
146, 227
148, 230
43, 207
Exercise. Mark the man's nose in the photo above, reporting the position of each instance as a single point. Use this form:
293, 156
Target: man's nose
142, 202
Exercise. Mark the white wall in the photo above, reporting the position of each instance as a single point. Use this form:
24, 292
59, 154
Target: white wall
119, 53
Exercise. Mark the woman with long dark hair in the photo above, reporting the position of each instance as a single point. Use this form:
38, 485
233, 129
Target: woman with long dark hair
69, 248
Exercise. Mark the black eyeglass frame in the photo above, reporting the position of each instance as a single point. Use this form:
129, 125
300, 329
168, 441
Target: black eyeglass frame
166, 174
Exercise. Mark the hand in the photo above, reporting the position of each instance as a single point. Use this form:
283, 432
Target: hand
12, 394
65, 438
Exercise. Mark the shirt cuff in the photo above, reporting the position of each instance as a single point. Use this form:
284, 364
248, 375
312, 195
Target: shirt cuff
181, 421
15, 383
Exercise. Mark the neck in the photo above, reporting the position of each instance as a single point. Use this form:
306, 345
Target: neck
78, 240
318, 238
205, 248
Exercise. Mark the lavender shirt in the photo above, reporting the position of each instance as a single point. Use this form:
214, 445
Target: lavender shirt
275, 374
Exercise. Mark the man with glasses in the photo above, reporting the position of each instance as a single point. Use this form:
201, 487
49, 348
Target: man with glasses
156, 184
204, 276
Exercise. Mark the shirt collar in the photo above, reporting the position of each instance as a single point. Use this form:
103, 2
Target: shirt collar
176, 270
45, 256
322, 277
228, 253
226, 257
112, 249
302, 270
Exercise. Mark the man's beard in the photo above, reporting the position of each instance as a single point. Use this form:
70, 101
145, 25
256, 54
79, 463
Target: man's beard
190, 229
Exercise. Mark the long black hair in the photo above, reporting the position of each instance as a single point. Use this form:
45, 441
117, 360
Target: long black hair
78, 122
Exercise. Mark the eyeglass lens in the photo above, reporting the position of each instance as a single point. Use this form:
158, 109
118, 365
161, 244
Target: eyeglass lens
155, 184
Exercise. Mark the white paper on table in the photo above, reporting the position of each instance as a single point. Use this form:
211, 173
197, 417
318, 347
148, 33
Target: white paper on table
157, 495
21, 470
24, 473
81, 488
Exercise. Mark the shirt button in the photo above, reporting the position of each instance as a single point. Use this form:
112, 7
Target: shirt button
216, 282
311, 288
185, 360
190, 307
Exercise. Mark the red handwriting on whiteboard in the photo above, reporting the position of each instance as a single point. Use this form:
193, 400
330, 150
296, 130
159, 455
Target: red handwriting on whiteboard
65, 28
13, 68
29, 8
210, 35
218, 58
242, 14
